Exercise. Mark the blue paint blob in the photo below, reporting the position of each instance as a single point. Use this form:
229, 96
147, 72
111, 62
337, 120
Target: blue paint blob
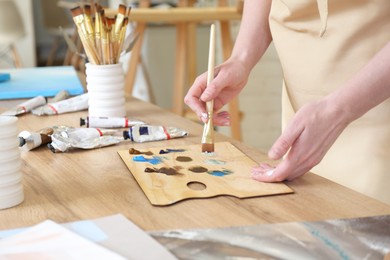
154, 160
171, 151
220, 173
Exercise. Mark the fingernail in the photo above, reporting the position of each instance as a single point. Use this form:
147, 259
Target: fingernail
272, 154
204, 115
270, 172
226, 123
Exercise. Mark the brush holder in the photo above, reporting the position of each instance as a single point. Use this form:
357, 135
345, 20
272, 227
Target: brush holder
11, 187
105, 86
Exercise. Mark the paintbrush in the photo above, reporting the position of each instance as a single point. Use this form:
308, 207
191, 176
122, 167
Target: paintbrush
208, 130
78, 18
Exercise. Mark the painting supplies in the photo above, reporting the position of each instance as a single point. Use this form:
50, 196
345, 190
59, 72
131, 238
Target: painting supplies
208, 130
73, 104
102, 37
148, 133
26, 106
68, 138
109, 122
31, 140
62, 95
171, 177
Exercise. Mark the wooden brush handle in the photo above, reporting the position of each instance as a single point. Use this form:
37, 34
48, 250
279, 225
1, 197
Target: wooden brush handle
210, 69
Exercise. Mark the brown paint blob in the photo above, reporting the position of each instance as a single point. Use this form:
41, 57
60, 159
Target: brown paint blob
134, 151
183, 159
198, 169
163, 170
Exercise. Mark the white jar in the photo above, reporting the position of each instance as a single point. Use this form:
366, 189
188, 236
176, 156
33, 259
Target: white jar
105, 85
11, 187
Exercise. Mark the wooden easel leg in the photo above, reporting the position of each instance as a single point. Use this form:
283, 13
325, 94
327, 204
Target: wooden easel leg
16, 57
180, 69
227, 46
135, 53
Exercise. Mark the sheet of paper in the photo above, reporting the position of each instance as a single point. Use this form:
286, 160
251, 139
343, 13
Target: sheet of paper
115, 233
49, 240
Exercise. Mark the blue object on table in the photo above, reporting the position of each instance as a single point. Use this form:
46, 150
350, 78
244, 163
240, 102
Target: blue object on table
4, 77
44, 81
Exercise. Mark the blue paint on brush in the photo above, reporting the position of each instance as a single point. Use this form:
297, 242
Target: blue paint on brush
154, 160
220, 173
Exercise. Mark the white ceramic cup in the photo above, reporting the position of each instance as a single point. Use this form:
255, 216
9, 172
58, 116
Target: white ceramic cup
105, 85
11, 187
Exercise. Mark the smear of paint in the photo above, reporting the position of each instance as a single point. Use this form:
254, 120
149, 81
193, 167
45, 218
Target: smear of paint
183, 159
215, 162
220, 173
171, 151
164, 170
135, 151
154, 160
198, 169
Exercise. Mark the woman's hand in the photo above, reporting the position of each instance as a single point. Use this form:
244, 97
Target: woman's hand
230, 79
304, 142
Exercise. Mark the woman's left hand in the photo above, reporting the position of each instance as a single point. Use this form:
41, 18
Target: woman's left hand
304, 142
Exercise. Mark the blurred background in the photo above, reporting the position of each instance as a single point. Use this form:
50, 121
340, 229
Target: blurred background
38, 41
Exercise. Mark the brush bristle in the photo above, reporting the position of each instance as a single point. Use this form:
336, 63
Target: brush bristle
122, 9
87, 9
207, 148
76, 11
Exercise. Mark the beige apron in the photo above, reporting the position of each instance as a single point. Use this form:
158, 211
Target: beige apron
320, 45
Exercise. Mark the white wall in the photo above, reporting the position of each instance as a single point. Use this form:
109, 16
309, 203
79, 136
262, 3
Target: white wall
26, 46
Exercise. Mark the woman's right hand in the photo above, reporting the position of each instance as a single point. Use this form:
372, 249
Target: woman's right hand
230, 78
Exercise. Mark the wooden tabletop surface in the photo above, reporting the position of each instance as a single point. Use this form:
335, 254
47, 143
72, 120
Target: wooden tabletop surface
87, 184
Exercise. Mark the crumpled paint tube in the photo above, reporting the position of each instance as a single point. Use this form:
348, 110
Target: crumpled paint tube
109, 122
62, 95
67, 138
31, 140
26, 106
73, 104
148, 133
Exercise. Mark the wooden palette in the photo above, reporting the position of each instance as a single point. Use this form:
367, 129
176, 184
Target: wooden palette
164, 189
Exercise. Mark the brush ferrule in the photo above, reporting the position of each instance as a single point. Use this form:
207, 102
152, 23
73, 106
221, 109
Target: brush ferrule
208, 130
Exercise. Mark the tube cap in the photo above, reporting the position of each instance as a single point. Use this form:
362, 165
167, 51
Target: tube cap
82, 121
22, 141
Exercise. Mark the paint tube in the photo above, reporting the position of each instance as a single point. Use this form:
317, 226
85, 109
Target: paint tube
26, 106
62, 95
67, 138
73, 104
147, 133
31, 140
80, 134
109, 122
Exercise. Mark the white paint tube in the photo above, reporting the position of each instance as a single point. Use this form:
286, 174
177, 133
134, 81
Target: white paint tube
109, 122
67, 138
148, 133
26, 106
31, 140
62, 95
73, 104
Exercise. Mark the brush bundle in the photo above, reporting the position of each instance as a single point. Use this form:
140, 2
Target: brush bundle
102, 37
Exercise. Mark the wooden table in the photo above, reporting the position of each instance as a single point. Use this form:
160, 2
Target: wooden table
87, 184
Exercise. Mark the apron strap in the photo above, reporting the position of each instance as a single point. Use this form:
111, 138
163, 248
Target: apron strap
323, 10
